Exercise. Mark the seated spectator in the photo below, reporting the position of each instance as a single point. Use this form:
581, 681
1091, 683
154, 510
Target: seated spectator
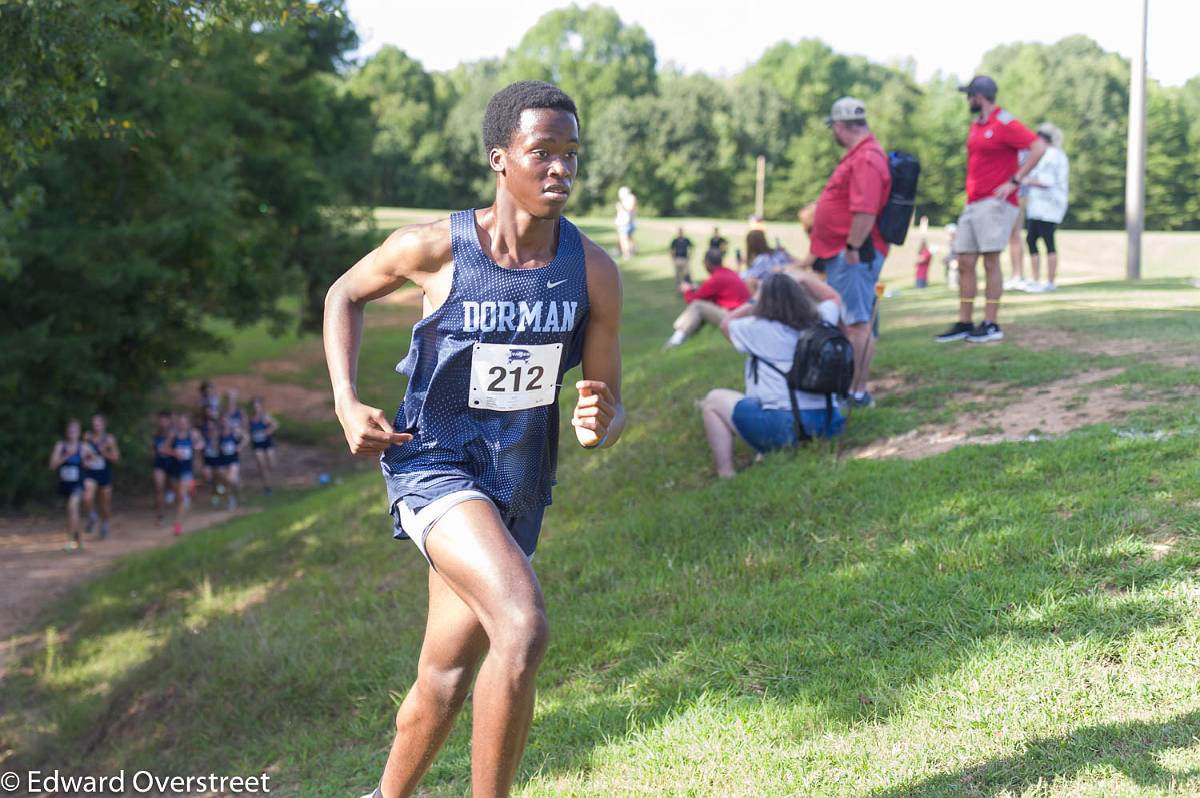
763, 415
762, 259
722, 292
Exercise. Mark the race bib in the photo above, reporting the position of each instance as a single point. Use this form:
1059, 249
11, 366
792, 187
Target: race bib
69, 473
228, 448
258, 436
510, 377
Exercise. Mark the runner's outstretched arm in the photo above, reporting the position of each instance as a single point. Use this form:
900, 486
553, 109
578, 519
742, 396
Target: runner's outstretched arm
410, 253
57, 455
599, 417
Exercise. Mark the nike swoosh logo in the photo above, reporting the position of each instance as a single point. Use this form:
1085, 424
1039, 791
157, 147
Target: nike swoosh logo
550, 284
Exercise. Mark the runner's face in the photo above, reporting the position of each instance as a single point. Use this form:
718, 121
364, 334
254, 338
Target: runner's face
73, 431
973, 103
540, 163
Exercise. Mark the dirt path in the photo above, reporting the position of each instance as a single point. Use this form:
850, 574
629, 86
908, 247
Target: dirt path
35, 570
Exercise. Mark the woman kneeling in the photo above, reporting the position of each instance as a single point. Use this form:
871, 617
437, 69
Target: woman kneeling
769, 329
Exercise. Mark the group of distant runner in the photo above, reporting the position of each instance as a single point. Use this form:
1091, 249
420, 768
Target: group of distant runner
207, 444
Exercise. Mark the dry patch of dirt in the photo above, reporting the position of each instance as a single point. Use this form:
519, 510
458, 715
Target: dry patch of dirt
1041, 339
1029, 413
296, 401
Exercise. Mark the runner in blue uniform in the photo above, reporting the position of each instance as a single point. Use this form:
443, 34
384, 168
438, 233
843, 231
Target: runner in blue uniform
231, 441
210, 434
185, 442
163, 462
514, 297
99, 453
66, 458
233, 408
262, 430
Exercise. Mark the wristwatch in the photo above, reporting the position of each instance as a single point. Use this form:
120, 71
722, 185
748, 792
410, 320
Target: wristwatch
1016, 181
851, 248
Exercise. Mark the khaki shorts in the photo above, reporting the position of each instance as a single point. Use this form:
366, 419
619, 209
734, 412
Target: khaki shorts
985, 226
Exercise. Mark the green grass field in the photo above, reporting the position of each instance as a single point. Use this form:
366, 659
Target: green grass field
1017, 619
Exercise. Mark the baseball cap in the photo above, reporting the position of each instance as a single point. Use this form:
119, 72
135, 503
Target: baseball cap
847, 109
1051, 131
981, 85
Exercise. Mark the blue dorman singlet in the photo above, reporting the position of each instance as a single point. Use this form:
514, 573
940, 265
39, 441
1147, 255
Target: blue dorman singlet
505, 321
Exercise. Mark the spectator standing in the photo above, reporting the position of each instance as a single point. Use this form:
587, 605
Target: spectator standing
994, 174
626, 221
1047, 204
722, 292
845, 237
1016, 246
924, 258
681, 252
719, 243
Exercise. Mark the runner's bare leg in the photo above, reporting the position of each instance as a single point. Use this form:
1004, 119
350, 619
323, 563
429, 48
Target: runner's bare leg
454, 644
477, 558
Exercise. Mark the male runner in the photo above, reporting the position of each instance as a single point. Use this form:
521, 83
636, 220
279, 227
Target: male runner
100, 451
515, 296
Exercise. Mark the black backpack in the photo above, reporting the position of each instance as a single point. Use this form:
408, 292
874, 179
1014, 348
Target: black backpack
898, 212
823, 363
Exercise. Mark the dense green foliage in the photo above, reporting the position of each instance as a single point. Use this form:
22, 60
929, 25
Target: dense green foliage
687, 144
199, 193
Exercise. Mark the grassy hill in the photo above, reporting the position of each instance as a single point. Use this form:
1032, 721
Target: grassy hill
1012, 619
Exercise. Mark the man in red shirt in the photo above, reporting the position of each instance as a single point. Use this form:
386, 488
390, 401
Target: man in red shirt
994, 174
845, 239
723, 291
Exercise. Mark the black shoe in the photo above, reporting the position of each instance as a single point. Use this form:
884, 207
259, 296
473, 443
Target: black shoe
986, 331
959, 331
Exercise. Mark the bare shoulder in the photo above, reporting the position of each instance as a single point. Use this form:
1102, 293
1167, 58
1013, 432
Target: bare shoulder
603, 276
416, 248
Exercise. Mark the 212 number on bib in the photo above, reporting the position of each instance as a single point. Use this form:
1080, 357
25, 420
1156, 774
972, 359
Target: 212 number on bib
509, 377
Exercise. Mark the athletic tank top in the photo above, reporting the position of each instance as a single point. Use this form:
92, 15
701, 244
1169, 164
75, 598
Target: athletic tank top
235, 415
229, 445
258, 431
184, 451
212, 442
501, 337
93, 458
69, 470
159, 440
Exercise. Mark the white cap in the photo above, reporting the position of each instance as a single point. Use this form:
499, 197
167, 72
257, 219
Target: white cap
847, 109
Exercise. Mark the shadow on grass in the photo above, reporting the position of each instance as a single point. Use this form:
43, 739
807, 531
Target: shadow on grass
803, 582
1130, 749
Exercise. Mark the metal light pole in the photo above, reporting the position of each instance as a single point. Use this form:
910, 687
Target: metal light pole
1135, 161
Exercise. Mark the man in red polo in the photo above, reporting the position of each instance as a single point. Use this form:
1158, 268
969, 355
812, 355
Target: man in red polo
994, 174
723, 291
845, 239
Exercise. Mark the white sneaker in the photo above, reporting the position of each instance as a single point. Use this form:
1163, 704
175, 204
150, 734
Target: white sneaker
1048, 288
1013, 284
676, 339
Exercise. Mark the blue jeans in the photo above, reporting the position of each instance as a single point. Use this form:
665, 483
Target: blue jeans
767, 430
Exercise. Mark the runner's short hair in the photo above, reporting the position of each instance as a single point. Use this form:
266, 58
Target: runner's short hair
503, 113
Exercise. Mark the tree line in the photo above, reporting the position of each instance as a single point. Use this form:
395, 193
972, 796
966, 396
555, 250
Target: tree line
687, 143
167, 163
